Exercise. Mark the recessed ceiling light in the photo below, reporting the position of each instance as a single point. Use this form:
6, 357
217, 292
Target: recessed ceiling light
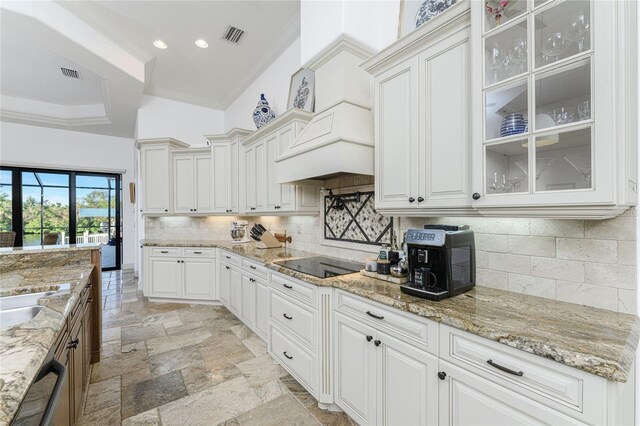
160, 44
202, 44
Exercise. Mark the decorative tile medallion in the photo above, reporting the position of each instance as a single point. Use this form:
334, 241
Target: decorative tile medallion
353, 218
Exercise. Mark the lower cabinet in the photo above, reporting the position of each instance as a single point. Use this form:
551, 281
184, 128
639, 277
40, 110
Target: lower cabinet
187, 273
382, 380
468, 399
248, 298
262, 309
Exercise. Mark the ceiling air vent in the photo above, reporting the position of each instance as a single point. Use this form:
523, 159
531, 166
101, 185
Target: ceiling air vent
233, 34
70, 73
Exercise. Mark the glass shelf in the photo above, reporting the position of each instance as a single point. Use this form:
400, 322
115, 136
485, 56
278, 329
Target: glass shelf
562, 31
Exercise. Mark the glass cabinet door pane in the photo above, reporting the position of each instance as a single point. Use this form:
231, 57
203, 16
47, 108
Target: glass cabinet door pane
499, 12
563, 160
562, 31
506, 54
506, 165
506, 112
564, 96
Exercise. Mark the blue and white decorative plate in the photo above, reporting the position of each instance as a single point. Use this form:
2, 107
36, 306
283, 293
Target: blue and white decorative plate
430, 8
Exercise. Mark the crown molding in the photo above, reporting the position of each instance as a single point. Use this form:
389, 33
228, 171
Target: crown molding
27, 118
230, 135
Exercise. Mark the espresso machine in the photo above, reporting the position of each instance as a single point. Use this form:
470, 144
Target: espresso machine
442, 261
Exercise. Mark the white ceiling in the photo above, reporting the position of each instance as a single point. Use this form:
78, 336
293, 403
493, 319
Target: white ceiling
212, 77
117, 61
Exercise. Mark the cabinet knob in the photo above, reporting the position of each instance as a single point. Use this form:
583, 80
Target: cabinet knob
377, 342
227, 267
166, 210
475, 196
442, 375
411, 199
420, 199
369, 338
195, 210
73, 344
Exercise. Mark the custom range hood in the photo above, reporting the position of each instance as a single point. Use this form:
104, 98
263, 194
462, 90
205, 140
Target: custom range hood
339, 138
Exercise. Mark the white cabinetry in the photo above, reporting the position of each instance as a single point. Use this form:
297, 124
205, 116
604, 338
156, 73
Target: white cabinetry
226, 170
576, 86
156, 174
180, 274
192, 181
422, 88
260, 190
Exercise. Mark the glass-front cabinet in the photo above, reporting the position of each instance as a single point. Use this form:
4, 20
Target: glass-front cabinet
554, 107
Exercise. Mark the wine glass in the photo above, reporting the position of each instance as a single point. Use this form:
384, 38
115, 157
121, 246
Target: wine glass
495, 60
542, 164
518, 53
582, 163
578, 30
584, 110
554, 46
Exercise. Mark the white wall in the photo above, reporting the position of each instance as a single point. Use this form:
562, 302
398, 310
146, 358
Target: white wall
62, 149
161, 117
273, 82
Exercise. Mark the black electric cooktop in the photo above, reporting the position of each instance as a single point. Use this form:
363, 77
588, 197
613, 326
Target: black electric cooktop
320, 266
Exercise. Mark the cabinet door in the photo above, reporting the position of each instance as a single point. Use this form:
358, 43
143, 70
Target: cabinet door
250, 179
355, 369
273, 198
166, 277
225, 284
235, 291
155, 179
261, 177
203, 184
233, 178
467, 399
247, 311
407, 384
221, 177
444, 134
183, 184
396, 122
198, 280
88, 330
77, 366
287, 192
62, 416
262, 309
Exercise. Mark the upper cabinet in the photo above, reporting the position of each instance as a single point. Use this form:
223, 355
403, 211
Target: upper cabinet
193, 181
260, 191
422, 88
554, 104
226, 171
156, 174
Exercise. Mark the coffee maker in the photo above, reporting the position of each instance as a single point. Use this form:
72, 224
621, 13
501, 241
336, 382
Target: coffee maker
442, 261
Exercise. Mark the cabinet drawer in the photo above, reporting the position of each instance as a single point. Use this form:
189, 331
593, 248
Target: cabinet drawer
300, 363
298, 320
199, 252
255, 268
299, 290
549, 379
227, 257
165, 251
419, 331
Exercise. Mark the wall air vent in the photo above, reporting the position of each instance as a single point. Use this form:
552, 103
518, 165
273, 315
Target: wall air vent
233, 34
70, 73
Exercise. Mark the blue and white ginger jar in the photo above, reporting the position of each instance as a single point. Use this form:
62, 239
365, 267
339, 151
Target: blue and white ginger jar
263, 112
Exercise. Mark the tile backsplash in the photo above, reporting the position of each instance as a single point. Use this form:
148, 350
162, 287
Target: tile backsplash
589, 262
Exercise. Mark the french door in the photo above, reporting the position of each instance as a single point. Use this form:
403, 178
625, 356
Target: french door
47, 207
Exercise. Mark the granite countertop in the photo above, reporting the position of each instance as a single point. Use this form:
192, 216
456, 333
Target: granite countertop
48, 249
24, 347
594, 340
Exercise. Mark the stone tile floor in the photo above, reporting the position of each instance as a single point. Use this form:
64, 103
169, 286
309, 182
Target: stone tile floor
180, 364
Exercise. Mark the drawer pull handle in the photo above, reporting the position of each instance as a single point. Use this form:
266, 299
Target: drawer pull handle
164, 251
253, 280
285, 354
252, 267
228, 257
197, 252
88, 285
505, 369
374, 315
73, 344
369, 338
89, 300
287, 286
287, 316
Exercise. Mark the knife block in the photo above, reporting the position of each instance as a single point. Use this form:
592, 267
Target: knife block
267, 241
